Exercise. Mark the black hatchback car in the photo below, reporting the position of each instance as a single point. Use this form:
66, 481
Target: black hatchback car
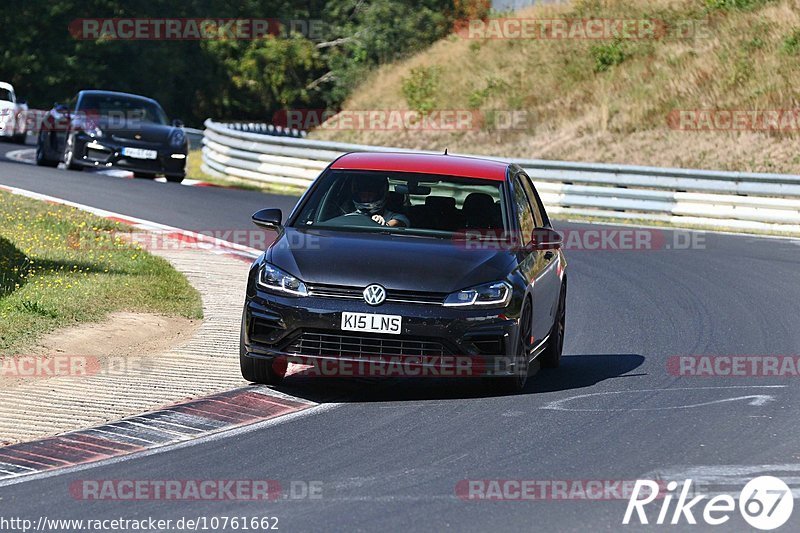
106, 129
431, 263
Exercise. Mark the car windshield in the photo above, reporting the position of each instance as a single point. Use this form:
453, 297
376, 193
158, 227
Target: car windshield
122, 108
424, 204
5, 94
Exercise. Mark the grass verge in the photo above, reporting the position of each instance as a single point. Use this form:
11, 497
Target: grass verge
60, 266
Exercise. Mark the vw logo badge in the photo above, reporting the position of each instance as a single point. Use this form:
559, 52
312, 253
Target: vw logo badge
374, 294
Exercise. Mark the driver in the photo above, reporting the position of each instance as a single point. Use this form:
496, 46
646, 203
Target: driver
369, 197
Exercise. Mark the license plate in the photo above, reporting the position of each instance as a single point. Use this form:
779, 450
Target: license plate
372, 323
139, 153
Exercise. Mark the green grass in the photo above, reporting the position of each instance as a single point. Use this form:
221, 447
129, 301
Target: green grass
60, 266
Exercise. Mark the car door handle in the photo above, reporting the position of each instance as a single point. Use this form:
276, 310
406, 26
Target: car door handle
549, 255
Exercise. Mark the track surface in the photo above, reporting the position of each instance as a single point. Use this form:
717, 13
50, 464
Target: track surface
390, 453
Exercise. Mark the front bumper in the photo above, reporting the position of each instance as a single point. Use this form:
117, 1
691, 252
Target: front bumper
480, 342
7, 127
107, 153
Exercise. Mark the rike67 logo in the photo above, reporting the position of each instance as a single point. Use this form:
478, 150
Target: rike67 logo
765, 503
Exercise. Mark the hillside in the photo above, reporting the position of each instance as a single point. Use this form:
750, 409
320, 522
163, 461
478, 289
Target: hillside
611, 100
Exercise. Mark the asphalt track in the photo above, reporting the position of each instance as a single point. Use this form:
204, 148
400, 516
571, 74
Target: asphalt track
389, 454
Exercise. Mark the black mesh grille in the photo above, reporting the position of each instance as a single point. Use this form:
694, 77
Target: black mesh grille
355, 345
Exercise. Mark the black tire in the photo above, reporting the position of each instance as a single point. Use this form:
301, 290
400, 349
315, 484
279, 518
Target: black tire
19, 139
260, 371
144, 175
516, 383
175, 179
551, 357
69, 155
41, 152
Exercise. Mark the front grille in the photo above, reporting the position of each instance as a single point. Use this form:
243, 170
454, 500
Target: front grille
136, 142
357, 345
392, 295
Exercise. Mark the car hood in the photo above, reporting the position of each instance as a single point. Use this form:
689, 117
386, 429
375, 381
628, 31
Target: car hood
400, 262
147, 132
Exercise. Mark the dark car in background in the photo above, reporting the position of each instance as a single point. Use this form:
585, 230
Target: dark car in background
105, 129
471, 268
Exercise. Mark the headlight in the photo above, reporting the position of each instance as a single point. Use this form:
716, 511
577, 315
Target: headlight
272, 278
178, 138
496, 294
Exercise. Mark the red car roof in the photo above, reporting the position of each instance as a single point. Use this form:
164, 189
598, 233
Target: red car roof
448, 165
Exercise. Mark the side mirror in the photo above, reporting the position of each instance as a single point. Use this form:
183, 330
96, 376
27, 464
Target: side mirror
22, 102
546, 239
268, 218
178, 123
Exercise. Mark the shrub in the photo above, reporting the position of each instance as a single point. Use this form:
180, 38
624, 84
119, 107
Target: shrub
419, 89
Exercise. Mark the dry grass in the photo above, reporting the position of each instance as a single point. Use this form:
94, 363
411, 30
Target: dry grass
578, 111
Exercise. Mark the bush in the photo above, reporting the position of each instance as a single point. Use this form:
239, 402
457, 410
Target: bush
419, 89
791, 44
607, 55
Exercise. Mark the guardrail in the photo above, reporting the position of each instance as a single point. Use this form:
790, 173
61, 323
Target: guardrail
759, 201
263, 128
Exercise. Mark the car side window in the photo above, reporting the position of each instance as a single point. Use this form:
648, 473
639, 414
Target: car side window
524, 212
536, 204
